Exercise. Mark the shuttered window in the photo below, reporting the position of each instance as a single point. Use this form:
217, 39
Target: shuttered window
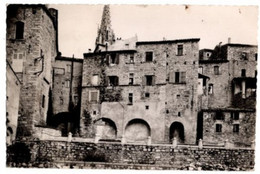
93, 96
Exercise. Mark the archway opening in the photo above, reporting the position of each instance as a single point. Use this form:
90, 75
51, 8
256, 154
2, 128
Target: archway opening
137, 130
109, 129
177, 131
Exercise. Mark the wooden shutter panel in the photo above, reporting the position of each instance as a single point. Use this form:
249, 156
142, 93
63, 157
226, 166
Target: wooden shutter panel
183, 77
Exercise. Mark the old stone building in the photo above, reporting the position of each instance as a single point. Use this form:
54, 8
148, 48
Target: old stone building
31, 46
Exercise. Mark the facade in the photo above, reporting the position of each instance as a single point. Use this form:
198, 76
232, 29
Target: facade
31, 48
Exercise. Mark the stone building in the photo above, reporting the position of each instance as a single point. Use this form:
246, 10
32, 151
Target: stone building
12, 103
31, 46
230, 113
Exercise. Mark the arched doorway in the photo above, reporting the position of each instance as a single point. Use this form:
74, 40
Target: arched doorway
177, 131
137, 130
109, 129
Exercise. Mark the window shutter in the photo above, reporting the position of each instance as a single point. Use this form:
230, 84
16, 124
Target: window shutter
107, 59
153, 80
143, 80
15, 56
171, 77
183, 77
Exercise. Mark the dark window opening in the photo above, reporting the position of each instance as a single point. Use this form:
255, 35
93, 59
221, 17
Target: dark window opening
167, 111
94, 112
243, 73
180, 50
130, 98
113, 58
235, 115
43, 101
150, 80
113, 81
244, 56
93, 96
220, 116
106, 34
256, 57
179, 114
218, 128
177, 77
236, 128
149, 56
178, 95
131, 79
19, 30
146, 107
210, 90
61, 101
216, 70
147, 94
131, 58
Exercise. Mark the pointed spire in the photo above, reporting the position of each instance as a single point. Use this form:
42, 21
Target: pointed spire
105, 33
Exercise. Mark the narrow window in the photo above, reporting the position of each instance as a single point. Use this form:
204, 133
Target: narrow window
179, 114
236, 128
218, 128
177, 77
131, 58
93, 96
256, 57
183, 77
149, 56
43, 101
149, 80
210, 88
94, 79
131, 78
216, 70
94, 112
147, 95
61, 101
67, 83
113, 58
243, 73
220, 116
244, 56
68, 68
76, 99
130, 98
19, 30
201, 70
235, 115
147, 107
178, 96
180, 50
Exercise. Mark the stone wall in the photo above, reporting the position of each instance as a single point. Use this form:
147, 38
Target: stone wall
37, 49
117, 156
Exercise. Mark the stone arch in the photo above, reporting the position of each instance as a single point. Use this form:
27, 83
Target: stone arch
107, 128
137, 130
177, 131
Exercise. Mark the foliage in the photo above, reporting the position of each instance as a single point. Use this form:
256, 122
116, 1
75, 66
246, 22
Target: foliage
18, 153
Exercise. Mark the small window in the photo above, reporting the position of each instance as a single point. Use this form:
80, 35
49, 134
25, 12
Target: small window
178, 96
93, 96
131, 78
43, 101
130, 98
256, 57
67, 84
147, 95
94, 79
201, 70
76, 99
150, 80
113, 81
61, 101
177, 77
19, 30
131, 58
68, 68
220, 116
236, 128
149, 56
94, 112
210, 90
216, 70
180, 50
208, 54
183, 77
243, 73
147, 107
235, 115
218, 128
244, 56
179, 114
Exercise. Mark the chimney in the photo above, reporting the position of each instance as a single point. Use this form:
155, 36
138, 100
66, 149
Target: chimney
229, 40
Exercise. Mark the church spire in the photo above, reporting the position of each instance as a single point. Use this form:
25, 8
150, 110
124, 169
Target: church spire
105, 33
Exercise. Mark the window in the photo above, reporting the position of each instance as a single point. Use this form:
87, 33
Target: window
210, 90
17, 62
76, 99
256, 57
235, 115
94, 79
61, 101
131, 58
113, 81
180, 50
216, 70
220, 116
19, 30
43, 101
179, 114
93, 96
147, 107
150, 80
201, 70
147, 95
68, 68
131, 78
208, 54
130, 98
244, 56
178, 96
149, 56
236, 128
67, 84
94, 112
177, 77
180, 77
218, 128
114, 59
243, 73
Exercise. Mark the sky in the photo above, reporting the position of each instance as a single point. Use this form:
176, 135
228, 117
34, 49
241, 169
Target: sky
212, 24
